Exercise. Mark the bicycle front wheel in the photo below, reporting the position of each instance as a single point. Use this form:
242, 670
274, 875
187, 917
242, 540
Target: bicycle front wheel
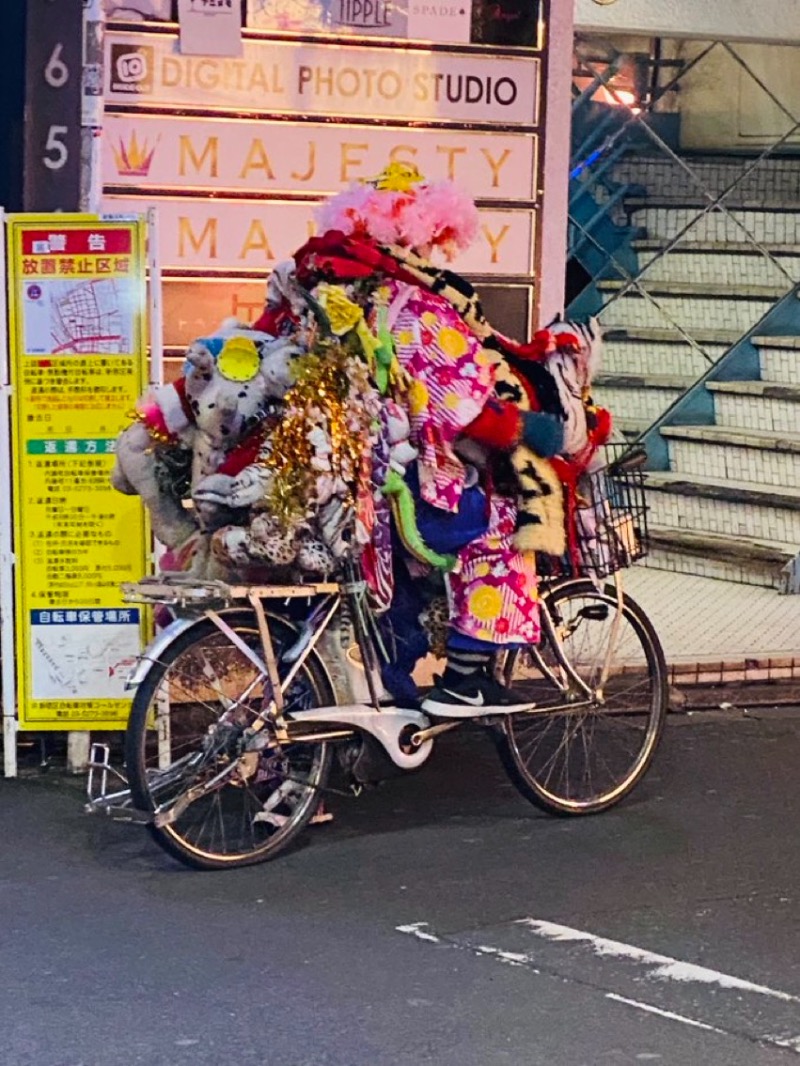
184, 734
579, 752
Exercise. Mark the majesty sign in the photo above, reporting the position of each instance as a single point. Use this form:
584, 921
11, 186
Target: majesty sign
220, 155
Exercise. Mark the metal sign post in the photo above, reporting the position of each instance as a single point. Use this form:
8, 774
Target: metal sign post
7, 614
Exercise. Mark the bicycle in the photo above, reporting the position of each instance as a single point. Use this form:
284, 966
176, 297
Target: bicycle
241, 701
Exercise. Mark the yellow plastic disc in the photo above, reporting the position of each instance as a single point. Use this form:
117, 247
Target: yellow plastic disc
239, 359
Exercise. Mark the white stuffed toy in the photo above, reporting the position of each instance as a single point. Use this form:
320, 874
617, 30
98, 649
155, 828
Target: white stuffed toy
398, 432
198, 421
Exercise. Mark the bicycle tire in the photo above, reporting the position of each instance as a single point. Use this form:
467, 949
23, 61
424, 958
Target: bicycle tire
638, 675
270, 839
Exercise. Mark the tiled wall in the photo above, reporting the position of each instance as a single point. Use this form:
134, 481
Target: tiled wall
781, 365
724, 517
729, 462
653, 357
773, 181
692, 313
637, 405
755, 412
768, 227
720, 268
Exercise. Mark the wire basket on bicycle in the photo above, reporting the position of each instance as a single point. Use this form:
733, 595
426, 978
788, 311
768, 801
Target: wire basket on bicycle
609, 520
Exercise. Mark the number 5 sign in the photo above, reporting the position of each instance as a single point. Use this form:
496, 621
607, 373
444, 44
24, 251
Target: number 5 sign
53, 105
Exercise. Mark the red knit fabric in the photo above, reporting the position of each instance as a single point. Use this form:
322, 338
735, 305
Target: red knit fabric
333, 255
244, 454
537, 348
498, 426
601, 431
274, 319
180, 388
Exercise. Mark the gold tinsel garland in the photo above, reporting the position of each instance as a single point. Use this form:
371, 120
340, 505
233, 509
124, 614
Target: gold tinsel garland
323, 432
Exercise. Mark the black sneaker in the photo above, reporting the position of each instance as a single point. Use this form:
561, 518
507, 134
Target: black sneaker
474, 696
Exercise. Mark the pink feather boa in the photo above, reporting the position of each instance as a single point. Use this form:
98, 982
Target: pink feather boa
436, 213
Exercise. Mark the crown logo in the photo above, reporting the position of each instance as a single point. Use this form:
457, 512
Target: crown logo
133, 159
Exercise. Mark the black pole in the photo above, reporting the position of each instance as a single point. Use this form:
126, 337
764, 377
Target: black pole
12, 64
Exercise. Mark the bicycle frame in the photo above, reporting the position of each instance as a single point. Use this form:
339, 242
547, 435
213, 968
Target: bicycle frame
405, 734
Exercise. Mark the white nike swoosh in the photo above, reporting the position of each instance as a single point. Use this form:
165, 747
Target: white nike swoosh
474, 701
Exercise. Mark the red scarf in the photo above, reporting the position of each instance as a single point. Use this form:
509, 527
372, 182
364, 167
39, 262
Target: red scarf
336, 257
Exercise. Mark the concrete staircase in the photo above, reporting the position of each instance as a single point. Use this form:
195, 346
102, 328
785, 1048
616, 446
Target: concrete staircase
729, 504
725, 501
708, 290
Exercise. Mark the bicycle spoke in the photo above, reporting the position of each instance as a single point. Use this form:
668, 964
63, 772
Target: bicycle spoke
211, 692
581, 756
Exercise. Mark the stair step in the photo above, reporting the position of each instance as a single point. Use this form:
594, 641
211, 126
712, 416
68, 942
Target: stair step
722, 545
679, 382
743, 248
766, 390
640, 358
630, 428
779, 358
787, 443
710, 168
745, 492
667, 221
639, 404
718, 556
689, 311
692, 288
722, 269
699, 203
789, 343
698, 503
764, 406
723, 452
724, 337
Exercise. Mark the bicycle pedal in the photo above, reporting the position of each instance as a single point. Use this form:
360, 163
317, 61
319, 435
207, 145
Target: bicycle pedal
321, 818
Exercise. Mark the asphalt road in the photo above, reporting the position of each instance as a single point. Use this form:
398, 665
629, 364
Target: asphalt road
438, 920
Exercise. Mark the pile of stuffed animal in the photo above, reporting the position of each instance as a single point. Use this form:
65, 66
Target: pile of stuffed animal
283, 448
204, 454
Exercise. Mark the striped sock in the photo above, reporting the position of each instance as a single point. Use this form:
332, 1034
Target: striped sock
463, 664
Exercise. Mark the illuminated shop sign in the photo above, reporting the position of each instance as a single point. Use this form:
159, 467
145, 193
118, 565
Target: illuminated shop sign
279, 77
251, 237
219, 155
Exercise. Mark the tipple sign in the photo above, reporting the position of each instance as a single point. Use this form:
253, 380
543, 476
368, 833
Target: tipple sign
291, 78
152, 152
234, 235
363, 13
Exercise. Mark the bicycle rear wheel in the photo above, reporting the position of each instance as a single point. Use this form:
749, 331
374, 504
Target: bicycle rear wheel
579, 754
185, 730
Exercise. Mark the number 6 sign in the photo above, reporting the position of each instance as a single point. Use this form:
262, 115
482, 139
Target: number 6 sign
52, 105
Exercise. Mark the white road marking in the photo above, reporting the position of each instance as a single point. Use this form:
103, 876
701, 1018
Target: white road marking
659, 967
512, 958
790, 1042
671, 1015
417, 929
665, 967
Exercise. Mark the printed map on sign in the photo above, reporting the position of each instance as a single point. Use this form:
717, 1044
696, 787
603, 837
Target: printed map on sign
89, 660
78, 317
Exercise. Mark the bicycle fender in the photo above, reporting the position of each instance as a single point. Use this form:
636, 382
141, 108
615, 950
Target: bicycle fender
154, 649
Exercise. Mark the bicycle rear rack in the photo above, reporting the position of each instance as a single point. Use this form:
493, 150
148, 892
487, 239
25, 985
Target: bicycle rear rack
118, 804
189, 593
